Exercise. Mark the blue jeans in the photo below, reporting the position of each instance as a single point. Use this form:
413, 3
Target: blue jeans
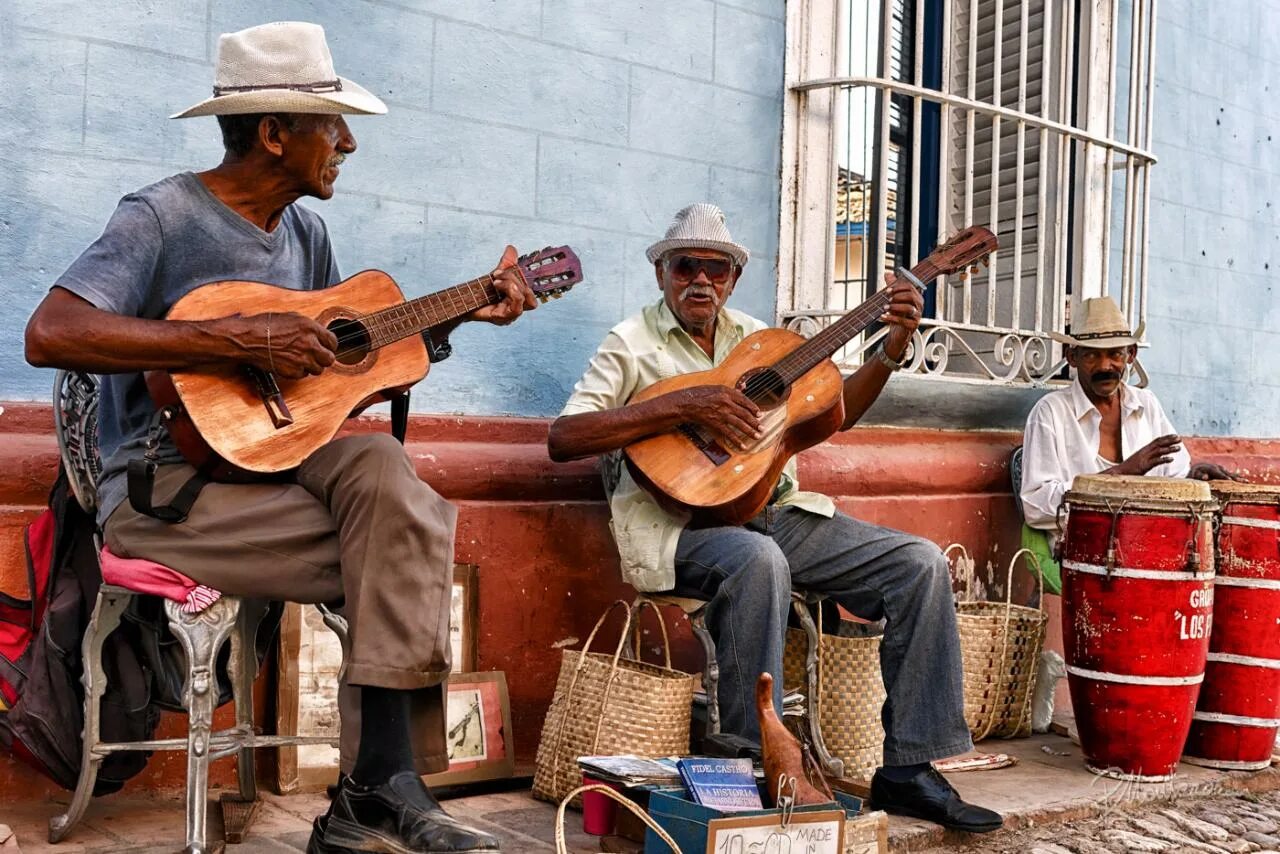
747, 573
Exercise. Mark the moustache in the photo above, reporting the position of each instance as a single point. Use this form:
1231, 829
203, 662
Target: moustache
698, 291
1104, 376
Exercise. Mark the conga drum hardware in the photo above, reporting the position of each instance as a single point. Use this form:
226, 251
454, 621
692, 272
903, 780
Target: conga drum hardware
1238, 710
1138, 568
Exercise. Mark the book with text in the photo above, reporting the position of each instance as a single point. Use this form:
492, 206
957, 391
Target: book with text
728, 785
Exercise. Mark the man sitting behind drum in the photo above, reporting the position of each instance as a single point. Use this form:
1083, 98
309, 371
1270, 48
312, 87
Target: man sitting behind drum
1099, 424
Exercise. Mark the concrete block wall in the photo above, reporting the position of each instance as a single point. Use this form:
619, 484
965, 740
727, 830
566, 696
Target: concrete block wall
533, 122
1214, 305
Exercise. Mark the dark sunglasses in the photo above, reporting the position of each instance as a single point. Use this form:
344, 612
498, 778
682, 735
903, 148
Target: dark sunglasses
684, 268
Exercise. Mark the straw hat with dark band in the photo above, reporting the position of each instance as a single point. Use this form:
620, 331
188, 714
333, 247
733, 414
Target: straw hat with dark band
1101, 327
283, 67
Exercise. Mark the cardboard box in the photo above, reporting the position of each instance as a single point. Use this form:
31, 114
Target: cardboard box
686, 821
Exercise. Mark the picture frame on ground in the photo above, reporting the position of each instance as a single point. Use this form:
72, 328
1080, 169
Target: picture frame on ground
463, 616
477, 730
307, 682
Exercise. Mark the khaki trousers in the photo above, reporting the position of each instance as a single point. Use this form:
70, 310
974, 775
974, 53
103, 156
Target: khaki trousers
357, 524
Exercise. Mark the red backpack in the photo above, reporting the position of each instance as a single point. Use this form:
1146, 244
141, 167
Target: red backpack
20, 618
41, 714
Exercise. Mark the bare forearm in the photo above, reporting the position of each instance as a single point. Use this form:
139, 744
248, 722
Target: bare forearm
67, 332
573, 437
861, 390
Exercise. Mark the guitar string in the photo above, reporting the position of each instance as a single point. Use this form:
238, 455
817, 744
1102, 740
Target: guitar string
373, 330
778, 376
374, 326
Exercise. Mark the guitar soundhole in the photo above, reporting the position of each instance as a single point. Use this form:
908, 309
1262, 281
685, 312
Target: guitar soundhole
353, 340
765, 387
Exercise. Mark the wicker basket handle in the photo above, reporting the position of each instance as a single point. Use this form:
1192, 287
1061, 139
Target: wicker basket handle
562, 846
964, 554
662, 627
1035, 563
577, 671
586, 647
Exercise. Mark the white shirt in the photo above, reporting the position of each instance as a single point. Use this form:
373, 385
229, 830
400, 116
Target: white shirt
1062, 441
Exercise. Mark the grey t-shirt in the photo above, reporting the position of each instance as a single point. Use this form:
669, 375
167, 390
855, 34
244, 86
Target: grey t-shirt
161, 242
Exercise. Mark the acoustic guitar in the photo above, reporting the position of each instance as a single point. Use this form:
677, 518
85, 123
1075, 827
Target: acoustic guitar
799, 391
239, 423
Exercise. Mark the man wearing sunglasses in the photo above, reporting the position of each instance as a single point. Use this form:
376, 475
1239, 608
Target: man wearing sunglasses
799, 540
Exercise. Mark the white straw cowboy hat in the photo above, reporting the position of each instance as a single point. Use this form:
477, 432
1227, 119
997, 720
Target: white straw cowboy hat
283, 67
1102, 325
699, 226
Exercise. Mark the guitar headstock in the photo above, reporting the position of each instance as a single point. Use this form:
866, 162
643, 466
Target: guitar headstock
550, 272
963, 250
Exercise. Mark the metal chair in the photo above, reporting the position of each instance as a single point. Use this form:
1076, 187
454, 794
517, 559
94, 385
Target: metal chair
1015, 478
803, 603
201, 635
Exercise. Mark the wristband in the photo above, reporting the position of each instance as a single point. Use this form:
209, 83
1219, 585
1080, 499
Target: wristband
888, 361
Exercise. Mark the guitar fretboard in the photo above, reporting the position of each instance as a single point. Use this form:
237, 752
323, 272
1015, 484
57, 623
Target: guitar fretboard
804, 358
415, 316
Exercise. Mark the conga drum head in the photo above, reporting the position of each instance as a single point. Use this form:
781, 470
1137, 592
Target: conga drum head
1245, 493
1140, 488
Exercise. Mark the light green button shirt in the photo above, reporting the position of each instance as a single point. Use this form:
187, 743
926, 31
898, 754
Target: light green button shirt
637, 353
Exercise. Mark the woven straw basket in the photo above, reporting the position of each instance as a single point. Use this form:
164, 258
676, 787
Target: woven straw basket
1000, 645
850, 696
605, 704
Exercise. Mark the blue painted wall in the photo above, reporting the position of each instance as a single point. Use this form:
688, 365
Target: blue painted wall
587, 122
590, 122
1214, 309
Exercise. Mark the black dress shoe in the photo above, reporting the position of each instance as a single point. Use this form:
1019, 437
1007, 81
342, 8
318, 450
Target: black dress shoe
398, 817
929, 796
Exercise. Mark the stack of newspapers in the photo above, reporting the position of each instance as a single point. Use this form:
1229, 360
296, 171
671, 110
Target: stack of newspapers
628, 770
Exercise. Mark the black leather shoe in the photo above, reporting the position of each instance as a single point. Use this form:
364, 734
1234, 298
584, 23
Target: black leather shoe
398, 817
929, 796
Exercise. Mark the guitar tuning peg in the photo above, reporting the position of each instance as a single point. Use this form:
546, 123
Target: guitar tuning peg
962, 274
975, 269
557, 295
542, 298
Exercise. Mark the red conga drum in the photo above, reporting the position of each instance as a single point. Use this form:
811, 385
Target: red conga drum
1236, 715
1137, 611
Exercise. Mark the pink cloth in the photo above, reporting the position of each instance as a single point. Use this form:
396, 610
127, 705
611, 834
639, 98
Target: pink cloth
146, 576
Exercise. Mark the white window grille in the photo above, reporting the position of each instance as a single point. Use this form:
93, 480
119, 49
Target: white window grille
907, 120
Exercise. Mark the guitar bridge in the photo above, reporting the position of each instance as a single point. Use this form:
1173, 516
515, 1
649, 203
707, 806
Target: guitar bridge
710, 448
272, 398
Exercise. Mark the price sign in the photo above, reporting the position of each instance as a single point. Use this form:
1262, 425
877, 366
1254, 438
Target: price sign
805, 833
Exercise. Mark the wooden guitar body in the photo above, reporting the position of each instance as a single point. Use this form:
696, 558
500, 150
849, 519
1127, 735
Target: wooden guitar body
225, 405
726, 484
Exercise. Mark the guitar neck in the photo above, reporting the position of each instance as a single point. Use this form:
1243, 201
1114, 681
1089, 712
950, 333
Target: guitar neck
823, 345
418, 315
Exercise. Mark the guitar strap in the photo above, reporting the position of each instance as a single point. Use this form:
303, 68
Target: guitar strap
400, 416
141, 475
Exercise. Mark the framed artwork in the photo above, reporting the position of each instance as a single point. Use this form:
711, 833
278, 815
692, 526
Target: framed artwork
307, 682
477, 730
463, 616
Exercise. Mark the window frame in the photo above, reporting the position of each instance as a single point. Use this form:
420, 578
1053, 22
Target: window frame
1084, 130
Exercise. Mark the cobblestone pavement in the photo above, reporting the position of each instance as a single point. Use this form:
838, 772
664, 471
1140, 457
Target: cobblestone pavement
1188, 824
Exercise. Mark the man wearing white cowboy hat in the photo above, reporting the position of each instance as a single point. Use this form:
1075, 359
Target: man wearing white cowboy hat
799, 540
1099, 424
355, 523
